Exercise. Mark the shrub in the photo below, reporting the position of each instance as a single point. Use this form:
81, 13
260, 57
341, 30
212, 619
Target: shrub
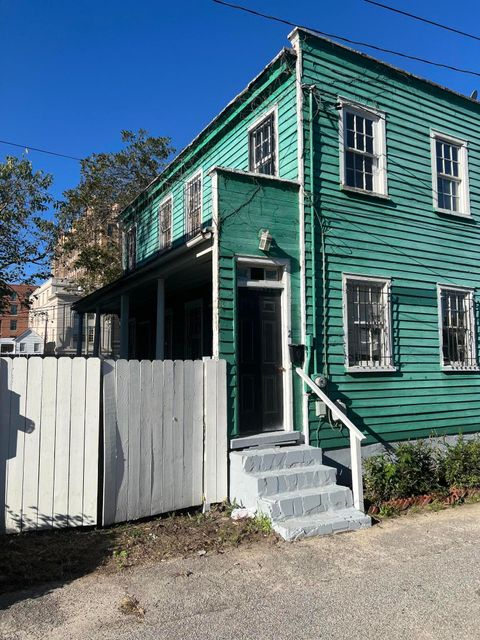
409, 471
458, 465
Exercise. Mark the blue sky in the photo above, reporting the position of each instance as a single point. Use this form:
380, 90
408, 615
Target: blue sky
75, 73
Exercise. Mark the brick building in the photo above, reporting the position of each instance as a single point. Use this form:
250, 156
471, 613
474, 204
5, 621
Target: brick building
14, 319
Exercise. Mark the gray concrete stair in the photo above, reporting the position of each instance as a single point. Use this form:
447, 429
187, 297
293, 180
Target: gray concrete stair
294, 489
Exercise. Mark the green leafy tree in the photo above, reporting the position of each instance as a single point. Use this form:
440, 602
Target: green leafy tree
26, 234
89, 241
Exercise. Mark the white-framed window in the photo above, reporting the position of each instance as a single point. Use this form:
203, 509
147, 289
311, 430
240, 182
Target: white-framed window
36, 347
130, 248
456, 309
450, 175
263, 144
23, 347
193, 204
165, 211
367, 323
363, 149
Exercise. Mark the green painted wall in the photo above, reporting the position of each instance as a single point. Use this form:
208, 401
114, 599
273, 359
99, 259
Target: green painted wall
224, 143
403, 239
245, 206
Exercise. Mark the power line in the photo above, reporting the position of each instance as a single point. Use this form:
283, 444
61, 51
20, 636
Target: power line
27, 147
426, 20
350, 41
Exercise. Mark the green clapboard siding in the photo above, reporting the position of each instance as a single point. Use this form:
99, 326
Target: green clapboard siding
401, 238
223, 143
245, 206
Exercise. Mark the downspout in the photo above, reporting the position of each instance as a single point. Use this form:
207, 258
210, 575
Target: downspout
313, 355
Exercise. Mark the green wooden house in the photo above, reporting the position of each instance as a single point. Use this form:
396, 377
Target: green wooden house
325, 223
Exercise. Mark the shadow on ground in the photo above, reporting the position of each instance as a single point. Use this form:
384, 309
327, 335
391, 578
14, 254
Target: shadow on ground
32, 564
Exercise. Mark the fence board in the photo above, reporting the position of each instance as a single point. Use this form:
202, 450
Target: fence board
33, 412
49, 453
157, 437
166, 415
92, 425
77, 443
47, 443
16, 448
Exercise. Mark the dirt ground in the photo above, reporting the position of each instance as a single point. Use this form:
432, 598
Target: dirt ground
31, 559
413, 577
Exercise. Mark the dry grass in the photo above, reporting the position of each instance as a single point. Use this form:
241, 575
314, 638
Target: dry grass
31, 559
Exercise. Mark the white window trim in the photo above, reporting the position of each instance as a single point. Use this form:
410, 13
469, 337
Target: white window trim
387, 283
160, 205
464, 185
379, 139
124, 244
273, 110
471, 293
284, 285
193, 177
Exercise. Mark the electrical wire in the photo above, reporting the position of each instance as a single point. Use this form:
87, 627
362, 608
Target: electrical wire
426, 20
27, 148
401, 54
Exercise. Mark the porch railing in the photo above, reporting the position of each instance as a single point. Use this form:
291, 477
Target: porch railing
356, 436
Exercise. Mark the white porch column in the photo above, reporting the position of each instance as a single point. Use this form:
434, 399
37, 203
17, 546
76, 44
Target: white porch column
160, 335
96, 337
124, 317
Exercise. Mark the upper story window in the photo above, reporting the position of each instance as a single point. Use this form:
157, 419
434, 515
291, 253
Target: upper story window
363, 164
193, 204
13, 310
457, 328
165, 223
13, 325
13, 295
263, 146
368, 335
450, 175
130, 248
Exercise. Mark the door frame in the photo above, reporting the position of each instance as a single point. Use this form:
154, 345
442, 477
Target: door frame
285, 302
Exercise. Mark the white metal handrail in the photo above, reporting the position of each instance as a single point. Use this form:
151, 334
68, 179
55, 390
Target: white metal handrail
356, 436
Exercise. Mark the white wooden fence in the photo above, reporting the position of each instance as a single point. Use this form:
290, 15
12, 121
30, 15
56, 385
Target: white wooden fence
49, 427
164, 445
165, 436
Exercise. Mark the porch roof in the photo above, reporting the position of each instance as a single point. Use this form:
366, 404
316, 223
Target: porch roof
162, 266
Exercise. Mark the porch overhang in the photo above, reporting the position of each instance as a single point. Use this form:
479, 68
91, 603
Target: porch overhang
194, 253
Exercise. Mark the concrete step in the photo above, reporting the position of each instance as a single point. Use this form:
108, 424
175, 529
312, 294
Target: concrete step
321, 524
257, 460
267, 483
305, 502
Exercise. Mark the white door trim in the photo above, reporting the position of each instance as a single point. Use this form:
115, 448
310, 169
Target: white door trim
285, 300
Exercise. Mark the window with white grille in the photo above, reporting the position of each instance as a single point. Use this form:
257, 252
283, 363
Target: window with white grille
457, 328
262, 146
367, 323
193, 205
165, 223
450, 176
363, 150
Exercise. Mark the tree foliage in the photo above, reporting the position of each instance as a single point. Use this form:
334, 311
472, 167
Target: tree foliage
26, 234
89, 240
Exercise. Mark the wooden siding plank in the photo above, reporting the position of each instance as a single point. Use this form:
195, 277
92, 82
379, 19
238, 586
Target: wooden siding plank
167, 457
146, 439
122, 442
5, 401
197, 433
134, 459
178, 433
47, 444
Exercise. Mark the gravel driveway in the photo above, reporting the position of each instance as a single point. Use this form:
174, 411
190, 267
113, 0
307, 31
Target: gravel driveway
413, 577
